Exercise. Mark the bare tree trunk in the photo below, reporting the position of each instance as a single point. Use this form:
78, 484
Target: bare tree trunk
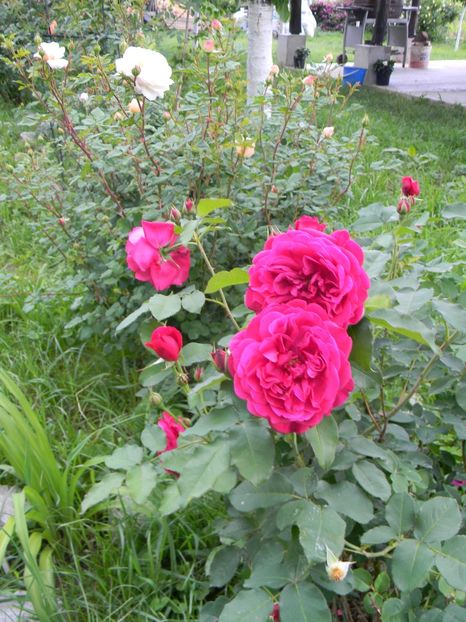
259, 44
295, 17
380, 22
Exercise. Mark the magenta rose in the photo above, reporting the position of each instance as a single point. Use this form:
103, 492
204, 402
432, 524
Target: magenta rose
291, 366
152, 256
309, 222
313, 266
166, 342
172, 429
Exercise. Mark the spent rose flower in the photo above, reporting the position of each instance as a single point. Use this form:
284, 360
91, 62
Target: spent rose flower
291, 366
153, 71
152, 256
328, 132
172, 429
313, 266
309, 222
338, 570
52, 53
410, 187
166, 342
208, 46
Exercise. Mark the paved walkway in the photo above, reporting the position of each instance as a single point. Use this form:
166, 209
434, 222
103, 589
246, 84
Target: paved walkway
444, 80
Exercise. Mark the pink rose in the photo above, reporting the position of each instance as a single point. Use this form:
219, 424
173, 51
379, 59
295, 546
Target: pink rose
172, 430
149, 255
216, 24
310, 265
166, 342
275, 615
410, 187
309, 222
291, 366
404, 205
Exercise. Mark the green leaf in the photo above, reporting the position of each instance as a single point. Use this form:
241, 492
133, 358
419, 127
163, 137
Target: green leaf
275, 491
196, 353
303, 602
163, 307
223, 565
374, 216
346, 498
324, 440
380, 301
400, 512
141, 481
225, 278
248, 606
153, 437
125, 457
378, 535
372, 479
205, 206
253, 451
438, 519
454, 613
411, 563
455, 210
460, 394
193, 302
188, 231
104, 489
412, 300
268, 569
282, 9
393, 610
361, 352
451, 562
452, 313
404, 325
132, 317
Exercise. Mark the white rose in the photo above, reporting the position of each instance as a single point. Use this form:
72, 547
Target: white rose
154, 74
52, 54
83, 97
328, 132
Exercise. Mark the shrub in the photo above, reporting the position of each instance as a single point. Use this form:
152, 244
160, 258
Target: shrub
435, 17
328, 17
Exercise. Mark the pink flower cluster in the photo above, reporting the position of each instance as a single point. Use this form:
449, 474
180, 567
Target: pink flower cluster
410, 189
291, 364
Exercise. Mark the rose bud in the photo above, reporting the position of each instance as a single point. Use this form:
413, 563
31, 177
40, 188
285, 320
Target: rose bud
155, 398
328, 132
166, 115
404, 206
275, 615
83, 97
216, 24
410, 187
328, 58
220, 360
189, 204
175, 214
118, 116
309, 80
274, 189
166, 342
52, 27
246, 151
208, 46
198, 373
133, 106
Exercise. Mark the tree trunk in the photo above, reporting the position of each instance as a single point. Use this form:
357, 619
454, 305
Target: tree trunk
295, 17
259, 44
380, 26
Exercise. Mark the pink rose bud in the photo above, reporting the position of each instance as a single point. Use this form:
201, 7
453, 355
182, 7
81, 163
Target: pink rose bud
274, 189
62, 221
166, 115
208, 46
275, 615
220, 359
309, 80
216, 24
53, 26
175, 214
328, 132
133, 106
246, 151
189, 205
275, 70
198, 373
404, 206
309, 222
410, 187
166, 342
459, 483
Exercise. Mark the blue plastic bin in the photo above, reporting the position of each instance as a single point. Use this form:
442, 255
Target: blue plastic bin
354, 75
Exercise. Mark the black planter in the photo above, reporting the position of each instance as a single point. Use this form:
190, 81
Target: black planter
382, 78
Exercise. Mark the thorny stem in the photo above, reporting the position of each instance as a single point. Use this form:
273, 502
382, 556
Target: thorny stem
356, 549
369, 411
224, 302
351, 166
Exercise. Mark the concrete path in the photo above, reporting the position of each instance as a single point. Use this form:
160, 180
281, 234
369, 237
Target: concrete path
444, 80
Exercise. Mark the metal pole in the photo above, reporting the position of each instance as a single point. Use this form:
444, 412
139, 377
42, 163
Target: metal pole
460, 28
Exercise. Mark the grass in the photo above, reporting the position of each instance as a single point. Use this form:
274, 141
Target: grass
115, 566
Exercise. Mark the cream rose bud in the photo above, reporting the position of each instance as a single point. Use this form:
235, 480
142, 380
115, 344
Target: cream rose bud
52, 54
154, 77
328, 58
308, 80
208, 46
338, 570
133, 106
246, 151
83, 97
328, 132
274, 70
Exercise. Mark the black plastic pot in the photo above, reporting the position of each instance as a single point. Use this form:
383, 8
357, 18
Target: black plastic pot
382, 78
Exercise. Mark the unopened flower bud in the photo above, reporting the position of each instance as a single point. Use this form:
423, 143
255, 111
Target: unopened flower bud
216, 24
328, 132
37, 40
246, 151
166, 115
183, 378
133, 106
136, 70
208, 46
365, 120
328, 58
198, 373
175, 214
274, 189
118, 116
83, 97
155, 398
309, 80
62, 221
404, 206
220, 360
189, 205
53, 26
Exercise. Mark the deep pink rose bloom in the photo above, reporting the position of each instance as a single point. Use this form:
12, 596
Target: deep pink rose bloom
309, 222
149, 256
275, 615
172, 430
166, 342
410, 187
291, 366
310, 265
